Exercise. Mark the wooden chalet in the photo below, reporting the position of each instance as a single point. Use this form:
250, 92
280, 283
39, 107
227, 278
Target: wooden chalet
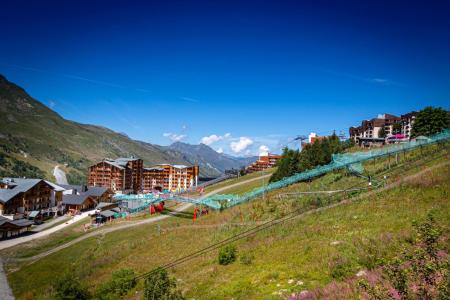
13, 227
23, 195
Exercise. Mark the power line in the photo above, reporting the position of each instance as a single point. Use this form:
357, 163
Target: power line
255, 229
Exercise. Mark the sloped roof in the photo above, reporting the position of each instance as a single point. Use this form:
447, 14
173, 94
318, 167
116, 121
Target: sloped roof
95, 191
18, 223
74, 199
180, 166
57, 188
154, 169
21, 185
105, 204
114, 163
33, 214
107, 213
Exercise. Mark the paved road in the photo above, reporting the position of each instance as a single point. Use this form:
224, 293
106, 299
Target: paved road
44, 233
5, 290
50, 223
186, 206
133, 224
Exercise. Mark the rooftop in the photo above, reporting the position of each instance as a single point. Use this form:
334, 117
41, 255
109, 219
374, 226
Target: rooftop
19, 185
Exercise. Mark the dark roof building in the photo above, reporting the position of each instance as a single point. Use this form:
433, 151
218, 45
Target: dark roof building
78, 202
9, 227
22, 195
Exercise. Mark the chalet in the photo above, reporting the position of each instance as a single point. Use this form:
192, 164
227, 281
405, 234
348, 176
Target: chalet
122, 175
23, 195
98, 193
13, 227
74, 202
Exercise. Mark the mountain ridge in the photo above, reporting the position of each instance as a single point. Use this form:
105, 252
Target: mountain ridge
204, 155
34, 139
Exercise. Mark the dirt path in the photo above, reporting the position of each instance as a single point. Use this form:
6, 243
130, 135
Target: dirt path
43, 233
178, 210
186, 206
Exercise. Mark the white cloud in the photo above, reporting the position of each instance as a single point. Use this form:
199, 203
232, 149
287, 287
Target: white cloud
240, 145
380, 80
174, 137
51, 104
263, 150
220, 150
208, 140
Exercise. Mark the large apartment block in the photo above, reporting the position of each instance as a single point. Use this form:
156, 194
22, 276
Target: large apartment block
128, 175
120, 175
369, 130
407, 123
170, 177
264, 162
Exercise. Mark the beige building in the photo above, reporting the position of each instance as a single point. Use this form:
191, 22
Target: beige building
170, 177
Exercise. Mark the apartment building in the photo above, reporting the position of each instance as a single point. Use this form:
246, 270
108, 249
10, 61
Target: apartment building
407, 121
368, 133
265, 161
166, 177
120, 175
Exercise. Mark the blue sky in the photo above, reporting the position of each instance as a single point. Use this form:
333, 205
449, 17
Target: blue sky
238, 75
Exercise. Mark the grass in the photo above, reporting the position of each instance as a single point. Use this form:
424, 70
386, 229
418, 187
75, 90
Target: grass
240, 179
304, 253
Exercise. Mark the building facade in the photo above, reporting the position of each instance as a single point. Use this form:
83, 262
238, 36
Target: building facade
166, 177
265, 161
120, 175
407, 121
369, 132
23, 195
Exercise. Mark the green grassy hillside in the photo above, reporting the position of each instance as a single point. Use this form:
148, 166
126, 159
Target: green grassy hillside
306, 252
36, 137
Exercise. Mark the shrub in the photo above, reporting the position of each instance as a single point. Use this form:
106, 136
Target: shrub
121, 282
69, 287
158, 285
227, 255
421, 271
340, 268
247, 259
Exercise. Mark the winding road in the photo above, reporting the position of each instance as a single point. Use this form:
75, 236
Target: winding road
44, 233
186, 206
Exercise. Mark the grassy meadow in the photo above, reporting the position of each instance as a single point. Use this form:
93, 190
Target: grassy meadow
304, 253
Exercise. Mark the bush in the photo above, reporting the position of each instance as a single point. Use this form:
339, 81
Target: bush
158, 285
69, 287
121, 282
340, 268
247, 259
420, 271
227, 255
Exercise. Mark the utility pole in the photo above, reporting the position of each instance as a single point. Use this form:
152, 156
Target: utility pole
262, 177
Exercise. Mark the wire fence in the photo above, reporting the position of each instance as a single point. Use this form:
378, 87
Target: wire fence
352, 161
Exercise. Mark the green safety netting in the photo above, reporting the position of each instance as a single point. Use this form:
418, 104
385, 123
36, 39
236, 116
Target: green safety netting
352, 161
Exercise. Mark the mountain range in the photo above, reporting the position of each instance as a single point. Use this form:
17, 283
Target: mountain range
34, 139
